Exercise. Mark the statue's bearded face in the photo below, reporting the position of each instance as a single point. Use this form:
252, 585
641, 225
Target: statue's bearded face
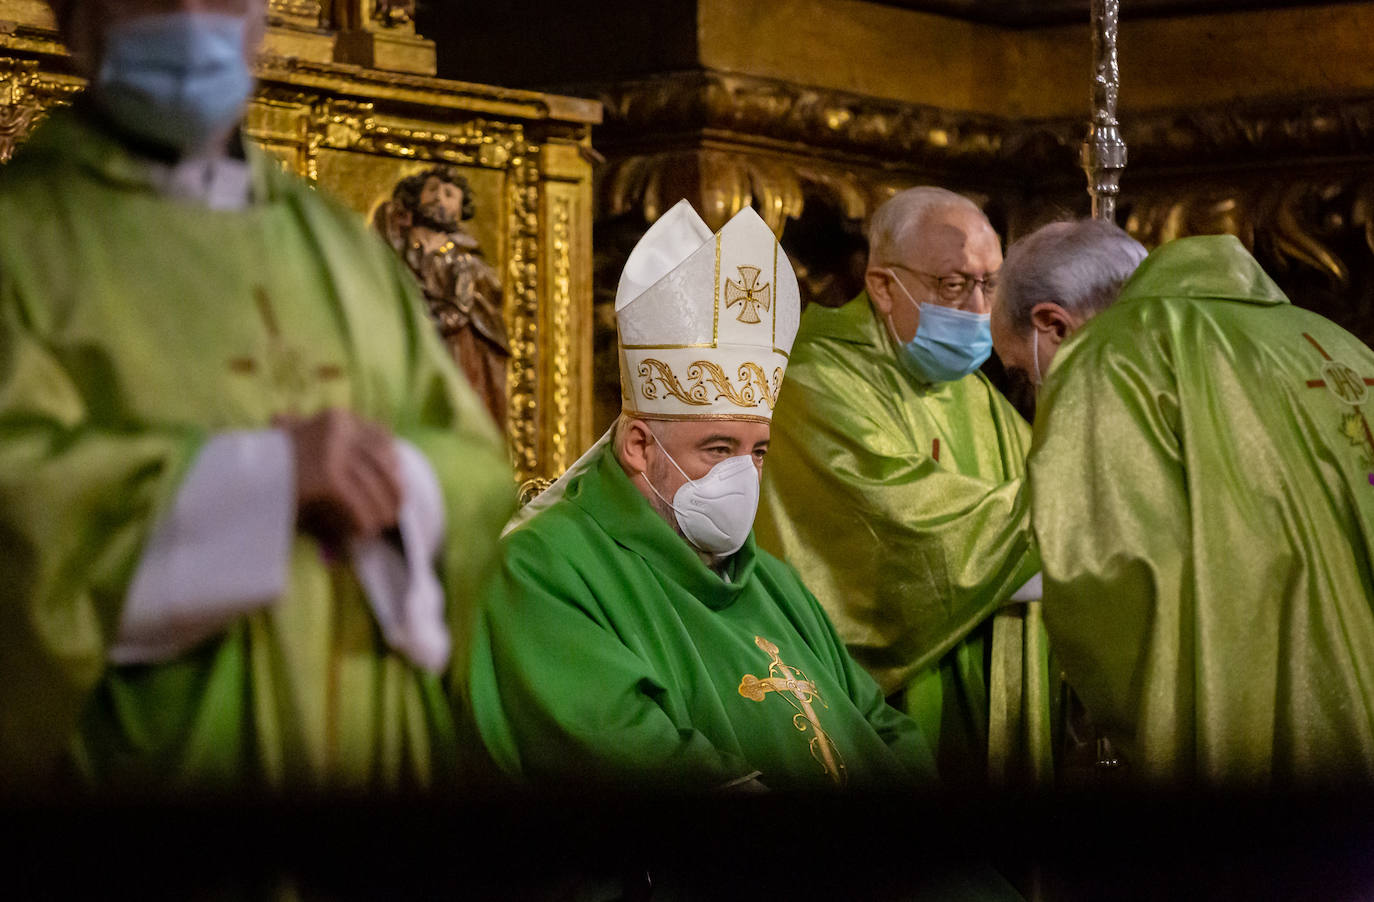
441, 204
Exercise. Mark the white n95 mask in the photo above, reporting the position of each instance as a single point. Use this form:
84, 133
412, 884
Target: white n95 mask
716, 512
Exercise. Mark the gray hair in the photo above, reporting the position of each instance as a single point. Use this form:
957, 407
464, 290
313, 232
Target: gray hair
903, 212
1078, 264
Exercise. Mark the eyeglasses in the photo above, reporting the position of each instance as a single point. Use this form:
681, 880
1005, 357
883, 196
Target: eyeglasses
956, 288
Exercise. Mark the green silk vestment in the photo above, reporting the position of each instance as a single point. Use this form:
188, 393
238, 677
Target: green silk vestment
618, 658
900, 504
132, 328
1202, 480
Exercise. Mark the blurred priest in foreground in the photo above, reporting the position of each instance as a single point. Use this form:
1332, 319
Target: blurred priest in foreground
246, 501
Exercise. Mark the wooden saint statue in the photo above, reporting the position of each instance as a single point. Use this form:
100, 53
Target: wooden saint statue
423, 222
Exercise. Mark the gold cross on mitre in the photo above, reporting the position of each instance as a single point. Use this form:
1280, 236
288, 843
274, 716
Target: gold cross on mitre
749, 293
791, 683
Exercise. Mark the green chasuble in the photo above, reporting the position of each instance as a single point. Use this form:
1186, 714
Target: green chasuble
617, 657
1202, 478
900, 504
132, 329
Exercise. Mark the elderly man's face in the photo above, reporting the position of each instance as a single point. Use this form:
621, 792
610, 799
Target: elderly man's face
947, 261
86, 22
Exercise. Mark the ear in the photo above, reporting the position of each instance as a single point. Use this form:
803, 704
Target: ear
1050, 317
633, 444
879, 285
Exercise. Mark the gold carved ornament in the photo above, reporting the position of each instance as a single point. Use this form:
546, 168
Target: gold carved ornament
560, 450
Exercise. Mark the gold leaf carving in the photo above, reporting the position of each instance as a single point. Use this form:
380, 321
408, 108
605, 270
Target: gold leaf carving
561, 301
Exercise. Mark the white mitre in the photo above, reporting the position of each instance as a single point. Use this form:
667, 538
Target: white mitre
706, 321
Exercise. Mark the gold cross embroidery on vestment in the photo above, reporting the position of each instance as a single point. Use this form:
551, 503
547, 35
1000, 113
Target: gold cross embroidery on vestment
791, 683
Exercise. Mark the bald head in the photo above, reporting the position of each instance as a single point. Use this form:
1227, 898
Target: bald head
893, 223
929, 246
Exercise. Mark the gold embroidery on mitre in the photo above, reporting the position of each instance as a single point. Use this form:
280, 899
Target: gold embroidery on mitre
791, 683
749, 294
707, 382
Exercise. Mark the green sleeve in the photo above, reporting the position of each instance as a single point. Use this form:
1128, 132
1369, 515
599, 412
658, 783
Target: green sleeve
80, 488
910, 554
559, 698
449, 425
1111, 514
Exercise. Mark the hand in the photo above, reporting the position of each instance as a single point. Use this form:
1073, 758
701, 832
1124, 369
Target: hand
348, 482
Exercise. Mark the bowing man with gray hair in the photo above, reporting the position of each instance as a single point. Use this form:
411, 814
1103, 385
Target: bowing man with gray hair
1202, 491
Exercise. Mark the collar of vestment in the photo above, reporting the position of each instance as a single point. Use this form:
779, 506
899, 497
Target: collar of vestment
606, 495
1215, 267
855, 322
81, 137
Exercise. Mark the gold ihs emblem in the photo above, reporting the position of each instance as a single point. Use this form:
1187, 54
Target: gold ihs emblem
749, 294
791, 684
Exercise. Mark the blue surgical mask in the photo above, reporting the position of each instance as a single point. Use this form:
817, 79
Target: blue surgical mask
948, 344
176, 79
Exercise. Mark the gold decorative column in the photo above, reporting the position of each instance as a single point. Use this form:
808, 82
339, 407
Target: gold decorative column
380, 34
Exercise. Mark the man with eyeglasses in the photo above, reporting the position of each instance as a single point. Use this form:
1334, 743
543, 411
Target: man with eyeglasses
894, 487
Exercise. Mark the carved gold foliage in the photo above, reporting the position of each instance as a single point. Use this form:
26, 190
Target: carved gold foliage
1288, 222
561, 301
25, 96
522, 311
815, 117
393, 13
308, 10
721, 184
531, 489
17, 118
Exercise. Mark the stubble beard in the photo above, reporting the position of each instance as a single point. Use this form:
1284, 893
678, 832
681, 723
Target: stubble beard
432, 217
657, 475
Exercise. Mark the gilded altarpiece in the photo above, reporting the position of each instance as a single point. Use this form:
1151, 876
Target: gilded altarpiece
1292, 179
347, 100
1257, 122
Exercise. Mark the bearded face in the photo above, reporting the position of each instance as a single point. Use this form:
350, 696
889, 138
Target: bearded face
441, 205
